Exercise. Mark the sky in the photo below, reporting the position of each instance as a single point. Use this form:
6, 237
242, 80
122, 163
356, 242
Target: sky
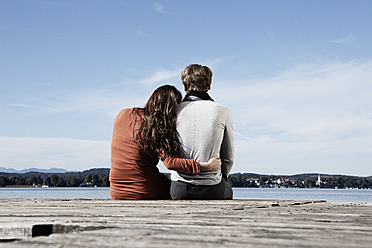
296, 76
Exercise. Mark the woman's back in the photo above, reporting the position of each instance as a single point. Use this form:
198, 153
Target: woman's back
133, 173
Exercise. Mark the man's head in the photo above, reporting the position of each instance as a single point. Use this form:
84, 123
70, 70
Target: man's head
196, 78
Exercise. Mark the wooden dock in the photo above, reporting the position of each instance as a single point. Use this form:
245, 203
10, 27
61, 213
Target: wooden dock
236, 223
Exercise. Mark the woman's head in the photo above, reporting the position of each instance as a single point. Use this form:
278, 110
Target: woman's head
163, 100
158, 127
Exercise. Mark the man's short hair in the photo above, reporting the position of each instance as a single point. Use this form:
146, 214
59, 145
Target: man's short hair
196, 78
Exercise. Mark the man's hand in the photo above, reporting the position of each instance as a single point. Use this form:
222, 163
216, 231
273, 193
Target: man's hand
213, 164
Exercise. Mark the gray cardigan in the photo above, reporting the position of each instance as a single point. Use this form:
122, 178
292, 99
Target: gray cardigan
205, 129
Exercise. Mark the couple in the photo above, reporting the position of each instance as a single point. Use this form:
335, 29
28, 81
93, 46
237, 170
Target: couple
193, 138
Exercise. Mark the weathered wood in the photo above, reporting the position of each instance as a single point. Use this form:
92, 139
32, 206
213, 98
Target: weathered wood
236, 223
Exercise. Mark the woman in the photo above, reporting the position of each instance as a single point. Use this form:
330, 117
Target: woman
140, 137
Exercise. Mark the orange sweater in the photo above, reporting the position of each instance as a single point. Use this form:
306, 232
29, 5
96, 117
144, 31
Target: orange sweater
133, 174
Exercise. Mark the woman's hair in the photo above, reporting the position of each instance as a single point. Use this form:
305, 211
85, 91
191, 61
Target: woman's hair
196, 78
157, 133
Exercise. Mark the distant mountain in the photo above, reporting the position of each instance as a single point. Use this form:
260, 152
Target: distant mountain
52, 170
8, 170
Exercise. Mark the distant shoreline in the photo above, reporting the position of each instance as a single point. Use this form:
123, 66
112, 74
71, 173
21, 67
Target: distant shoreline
99, 177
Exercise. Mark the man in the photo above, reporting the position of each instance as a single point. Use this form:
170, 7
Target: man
205, 130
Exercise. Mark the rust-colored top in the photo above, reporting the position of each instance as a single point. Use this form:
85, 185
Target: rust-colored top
133, 174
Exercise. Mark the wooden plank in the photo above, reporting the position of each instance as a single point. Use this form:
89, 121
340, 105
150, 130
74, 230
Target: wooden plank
236, 223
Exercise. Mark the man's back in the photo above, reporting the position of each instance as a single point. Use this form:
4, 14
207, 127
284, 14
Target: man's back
206, 130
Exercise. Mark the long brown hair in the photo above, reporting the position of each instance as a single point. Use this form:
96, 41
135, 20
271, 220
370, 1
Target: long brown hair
157, 133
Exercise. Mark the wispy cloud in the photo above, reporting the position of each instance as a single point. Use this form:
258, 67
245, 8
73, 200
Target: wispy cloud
295, 24
43, 152
304, 119
21, 105
159, 8
350, 40
161, 76
110, 99
95, 102
212, 63
98, 101
140, 32
104, 101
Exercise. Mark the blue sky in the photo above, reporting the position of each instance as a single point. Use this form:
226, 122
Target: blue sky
296, 75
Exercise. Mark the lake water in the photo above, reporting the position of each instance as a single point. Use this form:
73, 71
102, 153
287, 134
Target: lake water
329, 195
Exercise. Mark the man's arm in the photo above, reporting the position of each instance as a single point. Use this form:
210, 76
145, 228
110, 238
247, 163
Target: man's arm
227, 147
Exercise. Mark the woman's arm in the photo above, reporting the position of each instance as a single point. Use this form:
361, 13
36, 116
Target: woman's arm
190, 165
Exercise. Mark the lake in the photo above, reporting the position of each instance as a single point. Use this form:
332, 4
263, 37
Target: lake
329, 195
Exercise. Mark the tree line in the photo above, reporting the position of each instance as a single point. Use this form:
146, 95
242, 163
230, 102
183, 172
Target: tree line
300, 181
56, 181
100, 178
